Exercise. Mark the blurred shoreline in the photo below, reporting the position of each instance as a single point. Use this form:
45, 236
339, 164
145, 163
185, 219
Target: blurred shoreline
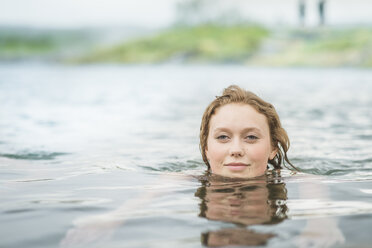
246, 44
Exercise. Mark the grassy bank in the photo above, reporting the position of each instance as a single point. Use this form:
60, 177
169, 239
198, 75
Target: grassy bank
207, 43
14, 46
18, 44
252, 45
317, 47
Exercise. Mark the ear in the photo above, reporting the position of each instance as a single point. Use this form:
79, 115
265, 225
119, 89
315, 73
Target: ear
273, 153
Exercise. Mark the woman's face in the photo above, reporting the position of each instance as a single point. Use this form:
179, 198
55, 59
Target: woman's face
239, 143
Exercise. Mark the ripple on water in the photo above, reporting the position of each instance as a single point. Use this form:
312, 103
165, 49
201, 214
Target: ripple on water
363, 161
34, 180
331, 166
313, 208
365, 136
174, 166
33, 155
18, 211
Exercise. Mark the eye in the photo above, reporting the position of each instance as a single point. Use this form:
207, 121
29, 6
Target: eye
251, 137
222, 137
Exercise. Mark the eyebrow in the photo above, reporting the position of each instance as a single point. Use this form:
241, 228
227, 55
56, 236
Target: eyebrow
248, 129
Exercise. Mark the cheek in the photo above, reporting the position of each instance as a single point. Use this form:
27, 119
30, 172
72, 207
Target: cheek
259, 153
215, 151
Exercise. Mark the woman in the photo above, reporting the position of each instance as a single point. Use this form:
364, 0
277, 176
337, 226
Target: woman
241, 134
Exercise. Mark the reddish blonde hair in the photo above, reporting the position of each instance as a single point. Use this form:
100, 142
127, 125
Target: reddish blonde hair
235, 94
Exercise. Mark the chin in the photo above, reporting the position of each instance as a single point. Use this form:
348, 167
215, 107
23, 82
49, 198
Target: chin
241, 174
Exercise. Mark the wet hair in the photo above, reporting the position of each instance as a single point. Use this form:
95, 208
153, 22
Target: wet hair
235, 94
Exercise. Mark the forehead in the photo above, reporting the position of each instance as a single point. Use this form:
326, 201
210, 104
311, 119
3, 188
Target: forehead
236, 115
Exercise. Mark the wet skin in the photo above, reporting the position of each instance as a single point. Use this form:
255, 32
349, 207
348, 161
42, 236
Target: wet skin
239, 142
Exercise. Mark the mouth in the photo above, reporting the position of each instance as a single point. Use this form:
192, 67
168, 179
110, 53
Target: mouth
237, 166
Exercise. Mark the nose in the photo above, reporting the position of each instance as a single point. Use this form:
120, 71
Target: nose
236, 149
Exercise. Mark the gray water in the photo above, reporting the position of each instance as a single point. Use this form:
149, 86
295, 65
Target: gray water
107, 156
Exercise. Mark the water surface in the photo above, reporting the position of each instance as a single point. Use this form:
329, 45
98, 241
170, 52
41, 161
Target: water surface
107, 156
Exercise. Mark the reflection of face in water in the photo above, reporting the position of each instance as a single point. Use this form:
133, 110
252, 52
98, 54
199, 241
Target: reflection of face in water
235, 236
248, 202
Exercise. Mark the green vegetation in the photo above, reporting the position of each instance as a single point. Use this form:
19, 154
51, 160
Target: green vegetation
245, 44
319, 47
14, 46
207, 43
27, 43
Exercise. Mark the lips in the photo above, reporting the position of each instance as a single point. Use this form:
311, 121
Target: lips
237, 166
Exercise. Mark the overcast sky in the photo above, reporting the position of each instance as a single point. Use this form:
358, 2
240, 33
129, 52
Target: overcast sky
77, 13
161, 13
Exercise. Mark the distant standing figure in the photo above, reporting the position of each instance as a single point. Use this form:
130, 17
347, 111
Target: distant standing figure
321, 8
302, 11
